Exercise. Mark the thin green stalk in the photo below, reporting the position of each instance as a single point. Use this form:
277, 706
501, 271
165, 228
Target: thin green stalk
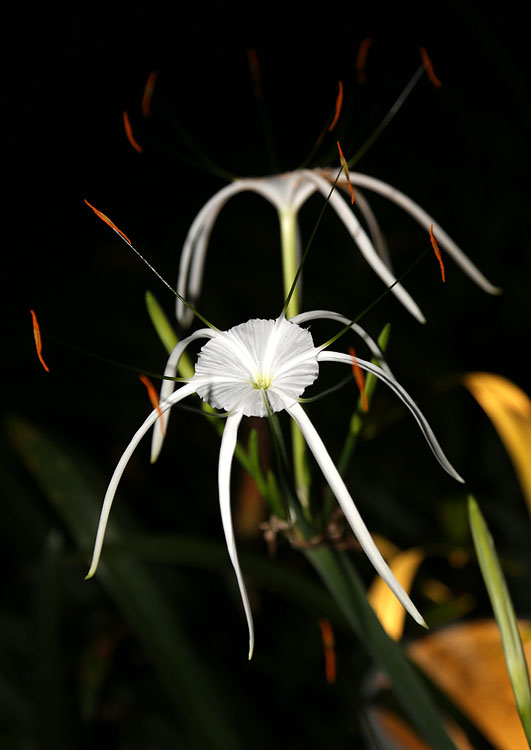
291, 263
503, 612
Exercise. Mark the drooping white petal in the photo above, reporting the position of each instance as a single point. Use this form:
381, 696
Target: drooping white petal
167, 387
328, 356
280, 190
226, 453
348, 507
378, 239
183, 392
362, 333
425, 220
365, 245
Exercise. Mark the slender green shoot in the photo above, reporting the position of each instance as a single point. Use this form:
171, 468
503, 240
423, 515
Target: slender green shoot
503, 612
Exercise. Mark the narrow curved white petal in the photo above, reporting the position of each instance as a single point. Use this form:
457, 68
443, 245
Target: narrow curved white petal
348, 507
425, 220
328, 356
183, 392
167, 387
281, 191
365, 245
362, 333
226, 453
378, 239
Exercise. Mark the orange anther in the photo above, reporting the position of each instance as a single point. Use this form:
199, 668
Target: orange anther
148, 93
429, 68
254, 69
109, 222
339, 104
361, 59
359, 377
129, 134
154, 398
437, 253
329, 651
344, 167
38, 341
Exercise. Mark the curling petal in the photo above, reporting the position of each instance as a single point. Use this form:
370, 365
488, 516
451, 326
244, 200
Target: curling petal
425, 220
327, 356
362, 333
348, 507
364, 244
168, 385
183, 392
226, 452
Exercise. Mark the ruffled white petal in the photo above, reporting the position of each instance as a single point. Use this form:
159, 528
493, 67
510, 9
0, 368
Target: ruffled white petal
183, 392
226, 453
167, 387
328, 356
236, 366
348, 507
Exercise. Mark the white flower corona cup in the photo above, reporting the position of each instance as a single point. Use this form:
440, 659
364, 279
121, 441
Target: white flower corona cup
256, 368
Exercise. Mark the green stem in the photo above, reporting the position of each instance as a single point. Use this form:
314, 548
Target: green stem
290, 265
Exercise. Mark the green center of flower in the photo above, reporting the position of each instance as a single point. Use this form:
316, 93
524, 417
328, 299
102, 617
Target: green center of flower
261, 381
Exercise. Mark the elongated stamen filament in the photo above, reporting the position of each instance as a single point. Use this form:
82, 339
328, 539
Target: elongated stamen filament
329, 649
361, 59
359, 377
429, 68
339, 104
148, 264
154, 399
129, 133
309, 244
38, 340
148, 93
437, 253
344, 167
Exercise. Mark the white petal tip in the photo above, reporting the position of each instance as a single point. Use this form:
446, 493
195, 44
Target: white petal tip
90, 574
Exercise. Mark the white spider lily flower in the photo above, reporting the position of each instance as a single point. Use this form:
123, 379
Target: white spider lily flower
253, 369
287, 193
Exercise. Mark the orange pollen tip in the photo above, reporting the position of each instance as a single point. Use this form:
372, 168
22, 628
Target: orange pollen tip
429, 68
361, 59
129, 134
359, 377
339, 104
254, 69
109, 222
327, 637
344, 167
148, 93
38, 341
437, 253
154, 399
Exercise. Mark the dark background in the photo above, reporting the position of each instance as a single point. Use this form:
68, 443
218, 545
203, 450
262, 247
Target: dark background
462, 152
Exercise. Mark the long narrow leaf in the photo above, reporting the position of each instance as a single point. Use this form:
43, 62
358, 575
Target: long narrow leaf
77, 500
347, 589
504, 613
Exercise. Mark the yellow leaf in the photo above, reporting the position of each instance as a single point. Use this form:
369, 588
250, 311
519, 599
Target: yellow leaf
509, 409
390, 612
468, 663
